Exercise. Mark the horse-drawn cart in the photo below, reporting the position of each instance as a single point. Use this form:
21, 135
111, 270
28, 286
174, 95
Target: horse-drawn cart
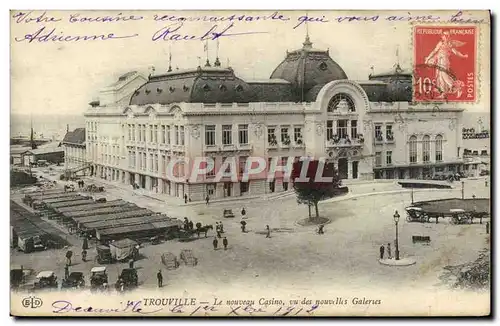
460, 216
169, 260
188, 258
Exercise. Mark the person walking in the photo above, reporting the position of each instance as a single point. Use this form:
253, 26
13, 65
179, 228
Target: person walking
221, 227
243, 226
268, 231
160, 278
243, 212
225, 242
215, 243
84, 255
185, 198
382, 249
389, 254
207, 199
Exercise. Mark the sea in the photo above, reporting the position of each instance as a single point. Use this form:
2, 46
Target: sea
54, 126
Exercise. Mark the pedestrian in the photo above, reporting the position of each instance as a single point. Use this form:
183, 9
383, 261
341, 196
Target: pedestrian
268, 231
243, 226
66, 271
486, 183
215, 243
191, 225
131, 263
185, 198
84, 255
320, 229
217, 228
224, 242
221, 227
160, 278
389, 254
382, 249
207, 199
243, 212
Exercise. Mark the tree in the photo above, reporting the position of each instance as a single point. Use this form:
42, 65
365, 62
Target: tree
312, 191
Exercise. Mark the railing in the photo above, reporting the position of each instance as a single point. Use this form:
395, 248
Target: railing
345, 142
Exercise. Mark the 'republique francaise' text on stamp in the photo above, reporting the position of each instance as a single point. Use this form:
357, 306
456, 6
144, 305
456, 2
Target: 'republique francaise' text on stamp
445, 64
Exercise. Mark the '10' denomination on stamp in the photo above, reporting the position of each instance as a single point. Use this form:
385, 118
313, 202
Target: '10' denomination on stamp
445, 64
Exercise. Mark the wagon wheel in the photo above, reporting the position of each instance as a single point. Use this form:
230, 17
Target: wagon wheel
409, 218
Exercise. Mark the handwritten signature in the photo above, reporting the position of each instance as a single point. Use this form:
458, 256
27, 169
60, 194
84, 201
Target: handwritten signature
43, 35
173, 32
63, 306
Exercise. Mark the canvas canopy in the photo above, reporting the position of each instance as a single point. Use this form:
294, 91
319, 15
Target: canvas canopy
77, 216
92, 206
45, 274
141, 219
123, 249
84, 223
71, 203
98, 269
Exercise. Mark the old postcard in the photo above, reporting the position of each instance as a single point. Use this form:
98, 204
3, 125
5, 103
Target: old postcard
250, 163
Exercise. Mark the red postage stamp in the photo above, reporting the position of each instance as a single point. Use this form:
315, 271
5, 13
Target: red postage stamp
444, 64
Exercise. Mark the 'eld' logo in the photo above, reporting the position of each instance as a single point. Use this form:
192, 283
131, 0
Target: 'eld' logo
32, 302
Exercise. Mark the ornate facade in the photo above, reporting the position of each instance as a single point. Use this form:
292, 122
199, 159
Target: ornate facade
308, 107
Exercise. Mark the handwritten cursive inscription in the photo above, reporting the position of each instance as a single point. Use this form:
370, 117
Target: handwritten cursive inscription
275, 16
28, 17
42, 35
173, 32
63, 306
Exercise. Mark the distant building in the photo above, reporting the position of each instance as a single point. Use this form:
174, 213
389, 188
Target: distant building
74, 149
53, 155
476, 150
370, 129
17, 153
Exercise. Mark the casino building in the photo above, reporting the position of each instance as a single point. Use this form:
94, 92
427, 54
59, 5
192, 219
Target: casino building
308, 107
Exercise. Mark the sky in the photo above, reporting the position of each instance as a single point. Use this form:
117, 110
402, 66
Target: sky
63, 77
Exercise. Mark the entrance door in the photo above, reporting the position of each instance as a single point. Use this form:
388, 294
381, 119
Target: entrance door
143, 181
401, 173
343, 168
355, 169
227, 189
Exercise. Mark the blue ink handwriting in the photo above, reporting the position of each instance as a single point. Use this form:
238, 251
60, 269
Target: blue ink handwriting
307, 19
275, 16
63, 306
77, 18
45, 36
172, 32
28, 17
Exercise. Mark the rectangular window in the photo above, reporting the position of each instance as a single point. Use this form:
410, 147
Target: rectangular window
144, 133
163, 164
271, 136
155, 134
182, 135
177, 135
168, 134
342, 131
388, 133
129, 128
388, 157
243, 134
140, 160
354, 129
211, 173
329, 129
242, 164
378, 133
297, 135
227, 131
210, 135
139, 128
163, 135
156, 162
228, 167
144, 161
150, 163
285, 137
151, 131
378, 158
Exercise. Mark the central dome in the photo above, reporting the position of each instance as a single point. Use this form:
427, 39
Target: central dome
306, 68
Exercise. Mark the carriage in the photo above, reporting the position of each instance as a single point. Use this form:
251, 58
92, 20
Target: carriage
169, 260
416, 214
188, 258
460, 216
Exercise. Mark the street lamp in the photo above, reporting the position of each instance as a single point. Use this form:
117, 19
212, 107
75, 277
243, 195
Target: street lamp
412, 195
396, 220
463, 189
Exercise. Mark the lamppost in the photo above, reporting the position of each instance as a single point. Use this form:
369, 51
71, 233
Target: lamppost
396, 220
412, 195
463, 189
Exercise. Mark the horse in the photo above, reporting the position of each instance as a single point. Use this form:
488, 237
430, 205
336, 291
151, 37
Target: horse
204, 229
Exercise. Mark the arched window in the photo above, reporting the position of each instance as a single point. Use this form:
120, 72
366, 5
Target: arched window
439, 148
413, 149
426, 149
341, 102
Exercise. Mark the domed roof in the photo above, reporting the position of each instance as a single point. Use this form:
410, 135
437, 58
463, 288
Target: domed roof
201, 85
306, 68
399, 85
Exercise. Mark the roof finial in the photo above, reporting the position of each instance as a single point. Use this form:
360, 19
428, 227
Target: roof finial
205, 48
307, 45
170, 59
217, 61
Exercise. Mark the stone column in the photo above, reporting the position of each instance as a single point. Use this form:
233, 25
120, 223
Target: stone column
349, 168
219, 190
148, 182
236, 189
